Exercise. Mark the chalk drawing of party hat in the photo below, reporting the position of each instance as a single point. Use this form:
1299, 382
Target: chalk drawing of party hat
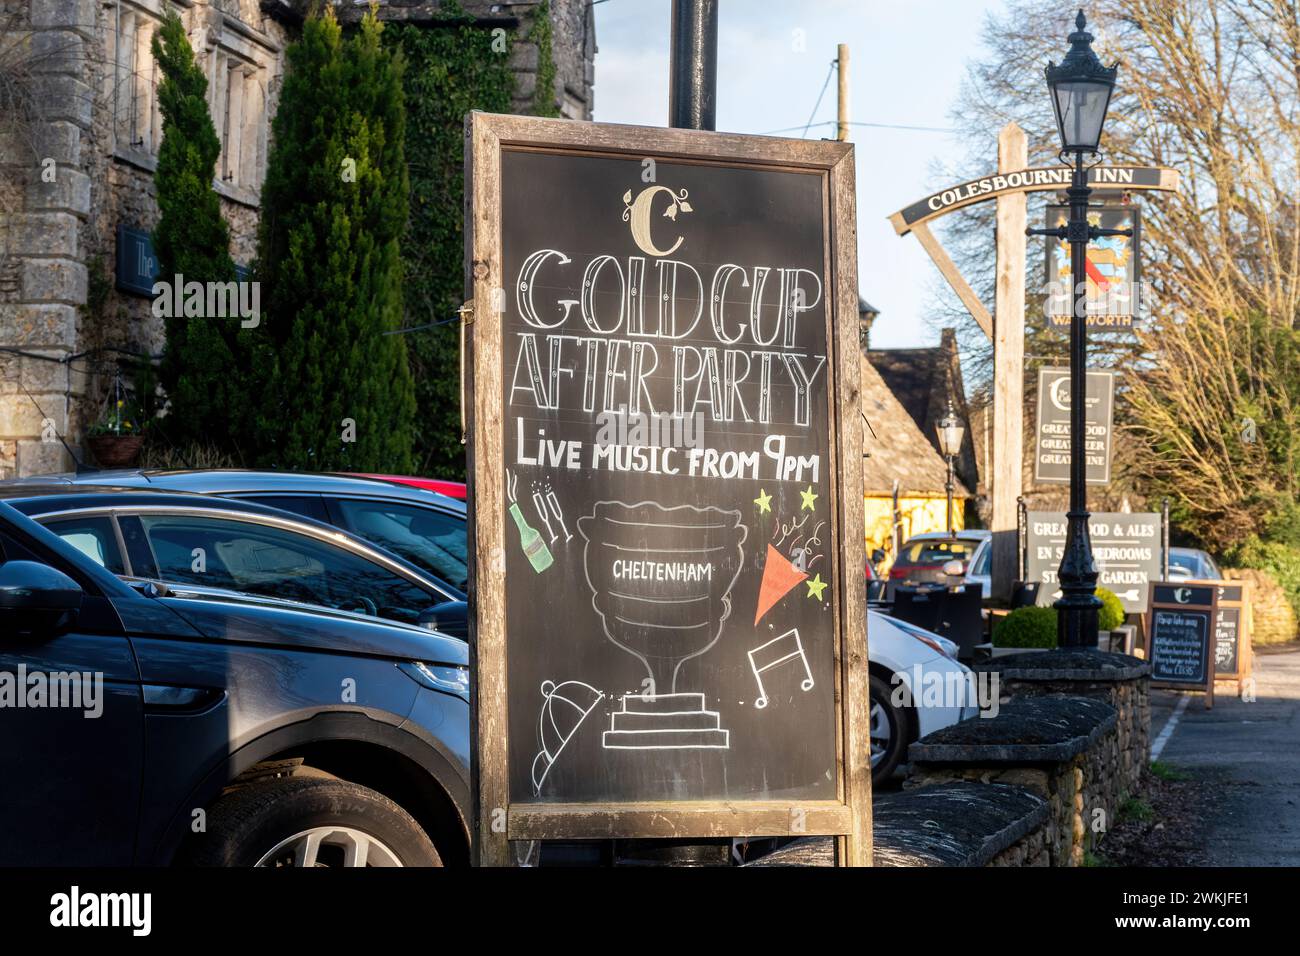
779, 576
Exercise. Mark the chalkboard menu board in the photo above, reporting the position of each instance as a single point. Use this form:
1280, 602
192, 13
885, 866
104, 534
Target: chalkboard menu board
1227, 640
1180, 645
659, 482
1232, 625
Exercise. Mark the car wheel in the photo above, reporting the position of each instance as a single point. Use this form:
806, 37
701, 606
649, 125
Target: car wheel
311, 822
890, 729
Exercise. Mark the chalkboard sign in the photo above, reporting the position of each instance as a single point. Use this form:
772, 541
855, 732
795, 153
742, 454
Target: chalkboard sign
1232, 625
663, 499
1180, 647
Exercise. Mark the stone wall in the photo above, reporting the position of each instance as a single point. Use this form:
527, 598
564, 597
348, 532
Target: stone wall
89, 168
84, 166
1036, 784
1117, 679
1065, 750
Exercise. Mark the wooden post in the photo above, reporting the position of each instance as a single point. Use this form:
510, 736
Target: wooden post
1008, 363
842, 67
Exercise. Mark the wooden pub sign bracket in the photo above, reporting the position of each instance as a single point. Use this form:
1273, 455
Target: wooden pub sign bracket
1009, 188
667, 613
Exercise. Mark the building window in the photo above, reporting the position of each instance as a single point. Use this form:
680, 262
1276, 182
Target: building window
137, 125
240, 62
240, 110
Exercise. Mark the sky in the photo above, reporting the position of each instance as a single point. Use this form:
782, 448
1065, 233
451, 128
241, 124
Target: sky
906, 62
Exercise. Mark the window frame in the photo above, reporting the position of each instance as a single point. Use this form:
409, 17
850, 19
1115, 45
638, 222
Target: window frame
113, 527
333, 538
334, 505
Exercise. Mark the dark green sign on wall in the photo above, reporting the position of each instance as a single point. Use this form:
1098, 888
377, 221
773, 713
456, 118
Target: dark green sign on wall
137, 264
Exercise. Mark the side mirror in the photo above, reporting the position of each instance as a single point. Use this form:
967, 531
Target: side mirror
877, 556
36, 600
954, 569
450, 618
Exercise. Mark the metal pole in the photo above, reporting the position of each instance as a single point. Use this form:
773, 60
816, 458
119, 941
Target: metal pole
951, 531
1164, 540
693, 82
842, 116
1078, 606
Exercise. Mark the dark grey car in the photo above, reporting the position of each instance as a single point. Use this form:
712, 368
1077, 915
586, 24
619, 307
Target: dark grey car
425, 528
192, 721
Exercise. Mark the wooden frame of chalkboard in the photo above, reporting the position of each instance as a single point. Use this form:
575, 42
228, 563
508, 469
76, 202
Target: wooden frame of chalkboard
1194, 601
501, 829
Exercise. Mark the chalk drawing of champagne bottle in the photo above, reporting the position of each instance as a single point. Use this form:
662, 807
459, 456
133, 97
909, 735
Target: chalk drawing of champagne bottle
530, 539
534, 545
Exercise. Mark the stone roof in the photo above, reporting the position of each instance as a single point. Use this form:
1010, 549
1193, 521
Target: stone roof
898, 450
924, 380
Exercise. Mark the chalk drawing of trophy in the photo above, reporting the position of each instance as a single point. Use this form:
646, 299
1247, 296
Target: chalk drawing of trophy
661, 580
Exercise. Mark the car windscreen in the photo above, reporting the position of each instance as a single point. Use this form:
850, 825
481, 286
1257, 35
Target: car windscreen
431, 539
933, 552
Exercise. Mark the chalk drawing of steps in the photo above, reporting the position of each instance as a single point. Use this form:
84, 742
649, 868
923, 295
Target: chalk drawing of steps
665, 722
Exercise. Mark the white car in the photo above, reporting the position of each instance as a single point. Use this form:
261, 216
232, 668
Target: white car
917, 687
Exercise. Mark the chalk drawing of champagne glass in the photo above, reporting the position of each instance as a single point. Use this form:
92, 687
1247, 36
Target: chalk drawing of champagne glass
540, 504
559, 514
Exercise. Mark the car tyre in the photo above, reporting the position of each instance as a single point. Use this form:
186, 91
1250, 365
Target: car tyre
311, 821
891, 731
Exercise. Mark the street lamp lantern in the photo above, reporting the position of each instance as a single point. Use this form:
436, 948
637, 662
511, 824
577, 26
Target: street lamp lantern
951, 432
1081, 89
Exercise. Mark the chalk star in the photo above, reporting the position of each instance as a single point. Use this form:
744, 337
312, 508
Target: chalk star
809, 500
816, 586
764, 502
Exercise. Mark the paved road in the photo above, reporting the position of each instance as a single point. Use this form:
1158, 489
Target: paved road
1250, 752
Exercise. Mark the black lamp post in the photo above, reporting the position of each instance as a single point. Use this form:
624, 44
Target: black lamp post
1081, 88
951, 432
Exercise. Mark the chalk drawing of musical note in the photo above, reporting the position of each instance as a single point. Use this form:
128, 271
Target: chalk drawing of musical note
775, 652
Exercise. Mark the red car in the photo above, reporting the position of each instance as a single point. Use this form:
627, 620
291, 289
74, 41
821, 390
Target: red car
452, 489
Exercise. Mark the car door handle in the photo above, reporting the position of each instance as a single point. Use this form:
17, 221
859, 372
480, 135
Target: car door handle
167, 697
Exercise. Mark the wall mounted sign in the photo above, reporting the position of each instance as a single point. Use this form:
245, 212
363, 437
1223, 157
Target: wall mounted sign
137, 265
1181, 637
1126, 548
667, 513
1052, 444
1113, 299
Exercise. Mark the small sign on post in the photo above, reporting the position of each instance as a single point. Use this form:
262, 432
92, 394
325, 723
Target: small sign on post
1052, 447
1180, 645
665, 487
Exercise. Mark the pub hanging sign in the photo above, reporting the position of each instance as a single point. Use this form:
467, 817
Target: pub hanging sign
667, 515
1113, 270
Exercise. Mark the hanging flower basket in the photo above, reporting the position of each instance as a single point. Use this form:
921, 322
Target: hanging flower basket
116, 451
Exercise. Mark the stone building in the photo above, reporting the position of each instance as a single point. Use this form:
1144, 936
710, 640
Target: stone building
76, 175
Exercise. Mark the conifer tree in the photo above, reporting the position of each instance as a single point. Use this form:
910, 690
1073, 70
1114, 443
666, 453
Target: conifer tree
337, 391
207, 400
